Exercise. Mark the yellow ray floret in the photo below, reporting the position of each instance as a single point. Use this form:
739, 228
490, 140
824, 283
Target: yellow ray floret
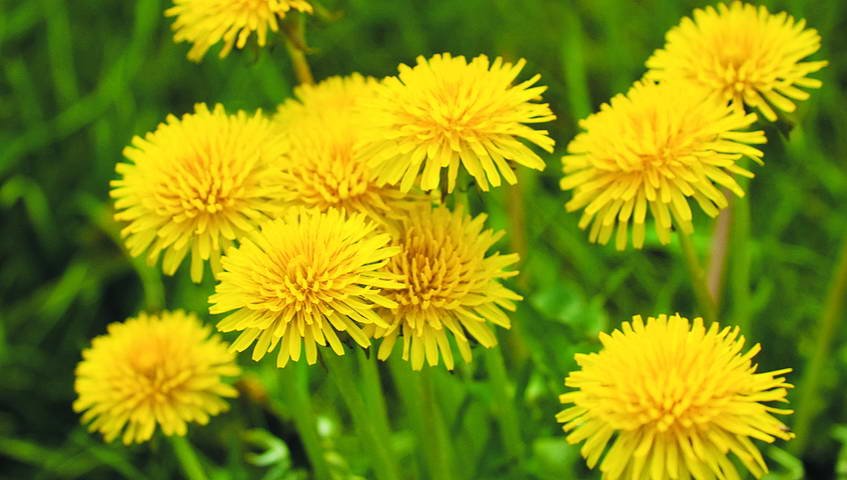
444, 113
741, 54
204, 23
452, 288
671, 400
325, 168
654, 149
196, 184
301, 280
152, 371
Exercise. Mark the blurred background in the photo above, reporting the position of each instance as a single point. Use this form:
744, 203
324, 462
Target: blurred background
80, 78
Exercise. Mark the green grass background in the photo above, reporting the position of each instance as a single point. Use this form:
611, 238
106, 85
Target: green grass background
79, 78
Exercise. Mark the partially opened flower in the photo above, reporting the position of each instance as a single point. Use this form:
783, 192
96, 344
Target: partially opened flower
196, 184
452, 288
153, 371
204, 23
325, 167
303, 279
656, 148
671, 400
741, 54
446, 113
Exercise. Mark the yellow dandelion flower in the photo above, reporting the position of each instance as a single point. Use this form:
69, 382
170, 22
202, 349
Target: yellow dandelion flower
162, 370
741, 54
657, 147
325, 168
204, 23
445, 112
674, 400
451, 287
302, 279
197, 184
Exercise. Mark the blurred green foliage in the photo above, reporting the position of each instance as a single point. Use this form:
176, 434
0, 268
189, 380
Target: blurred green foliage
79, 79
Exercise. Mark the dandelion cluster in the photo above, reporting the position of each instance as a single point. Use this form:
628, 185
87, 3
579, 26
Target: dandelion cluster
741, 54
196, 184
204, 23
164, 371
445, 112
452, 287
655, 148
302, 279
669, 399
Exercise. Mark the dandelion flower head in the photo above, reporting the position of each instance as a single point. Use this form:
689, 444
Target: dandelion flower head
325, 168
164, 371
446, 112
302, 279
452, 287
742, 54
656, 148
673, 399
196, 184
204, 23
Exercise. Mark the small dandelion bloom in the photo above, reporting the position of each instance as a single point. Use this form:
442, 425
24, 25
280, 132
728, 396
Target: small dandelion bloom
325, 168
656, 147
197, 184
204, 23
741, 54
164, 370
452, 287
673, 399
445, 112
302, 279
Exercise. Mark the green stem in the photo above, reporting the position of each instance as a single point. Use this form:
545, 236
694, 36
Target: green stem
505, 404
374, 396
187, 457
435, 429
809, 384
740, 279
366, 425
698, 280
295, 378
294, 36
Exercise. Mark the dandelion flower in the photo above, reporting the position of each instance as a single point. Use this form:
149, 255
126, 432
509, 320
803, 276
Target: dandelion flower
445, 112
674, 400
741, 54
452, 286
302, 279
197, 184
204, 23
657, 147
325, 168
162, 370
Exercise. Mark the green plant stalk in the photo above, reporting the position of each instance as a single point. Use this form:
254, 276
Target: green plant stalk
505, 404
384, 464
187, 457
740, 279
294, 36
698, 280
827, 330
435, 429
299, 403
373, 394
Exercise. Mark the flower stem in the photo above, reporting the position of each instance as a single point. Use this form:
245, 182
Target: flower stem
294, 35
509, 425
300, 405
367, 427
716, 267
435, 429
809, 383
698, 280
187, 457
740, 280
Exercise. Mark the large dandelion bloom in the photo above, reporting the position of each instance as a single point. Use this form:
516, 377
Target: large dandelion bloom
674, 400
162, 370
196, 184
452, 287
445, 112
741, 54
657, 147
204, 23
325, 168
301, 280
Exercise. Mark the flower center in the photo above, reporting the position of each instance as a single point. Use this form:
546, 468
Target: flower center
435, 272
